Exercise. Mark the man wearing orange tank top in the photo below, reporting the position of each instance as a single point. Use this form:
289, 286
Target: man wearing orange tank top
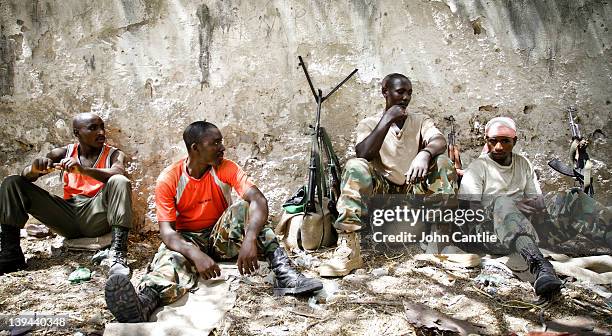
200, 225
97, 196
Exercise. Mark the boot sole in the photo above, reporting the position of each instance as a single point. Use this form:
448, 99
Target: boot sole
122, 299
297, 290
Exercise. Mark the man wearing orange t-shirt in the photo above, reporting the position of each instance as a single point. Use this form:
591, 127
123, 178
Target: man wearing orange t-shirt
199, 224
97, 196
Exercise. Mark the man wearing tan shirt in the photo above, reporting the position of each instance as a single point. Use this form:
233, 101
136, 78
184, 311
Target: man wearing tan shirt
398, 152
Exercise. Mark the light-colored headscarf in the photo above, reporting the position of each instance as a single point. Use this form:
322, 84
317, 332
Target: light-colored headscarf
499, 126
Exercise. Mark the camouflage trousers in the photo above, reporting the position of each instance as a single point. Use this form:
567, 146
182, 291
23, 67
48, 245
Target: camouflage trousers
172, 275
573, 212
567, 214
360, 180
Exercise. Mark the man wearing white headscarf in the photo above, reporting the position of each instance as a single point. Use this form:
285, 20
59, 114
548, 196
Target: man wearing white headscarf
505, 185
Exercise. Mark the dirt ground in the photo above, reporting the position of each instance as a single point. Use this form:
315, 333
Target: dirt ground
372, 301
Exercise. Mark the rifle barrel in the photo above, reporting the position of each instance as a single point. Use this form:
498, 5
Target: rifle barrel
339, 85
574, 129
303, 65
319, 102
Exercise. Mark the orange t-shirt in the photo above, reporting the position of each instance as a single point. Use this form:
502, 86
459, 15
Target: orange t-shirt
77, 184
197, 204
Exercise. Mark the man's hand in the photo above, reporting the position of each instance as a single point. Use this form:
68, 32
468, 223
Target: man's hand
247, 257
206, 266
530, 205
70, 165
396, 114
418, 168
42, 166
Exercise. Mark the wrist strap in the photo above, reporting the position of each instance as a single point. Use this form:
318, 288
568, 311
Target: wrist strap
427, 150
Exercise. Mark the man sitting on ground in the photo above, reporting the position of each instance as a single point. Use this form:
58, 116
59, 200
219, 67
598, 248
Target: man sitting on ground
398, 152
97, 196
505, 185
199, 224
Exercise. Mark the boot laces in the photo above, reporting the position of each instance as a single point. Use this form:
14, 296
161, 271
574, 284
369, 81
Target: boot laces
343, 250
536, 262
119, 249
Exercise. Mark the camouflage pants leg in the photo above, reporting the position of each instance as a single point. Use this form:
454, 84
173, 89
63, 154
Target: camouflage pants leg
573, 212
507, 222
440, 185
227, 235
437, 190
359, 180
172, 275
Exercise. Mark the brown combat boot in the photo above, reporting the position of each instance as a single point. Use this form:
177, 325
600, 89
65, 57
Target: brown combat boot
346, 257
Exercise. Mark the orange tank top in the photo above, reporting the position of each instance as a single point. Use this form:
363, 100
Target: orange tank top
77, 184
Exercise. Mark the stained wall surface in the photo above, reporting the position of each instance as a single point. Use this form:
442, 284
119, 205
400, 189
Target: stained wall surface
150, 67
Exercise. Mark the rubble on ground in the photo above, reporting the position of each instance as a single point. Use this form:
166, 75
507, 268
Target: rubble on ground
380, 298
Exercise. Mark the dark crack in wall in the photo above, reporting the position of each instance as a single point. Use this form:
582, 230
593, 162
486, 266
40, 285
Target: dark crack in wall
205, 39
7, 65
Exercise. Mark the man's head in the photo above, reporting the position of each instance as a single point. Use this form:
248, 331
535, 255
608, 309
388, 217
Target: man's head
500, 135
89, 129
204, 143
397, 90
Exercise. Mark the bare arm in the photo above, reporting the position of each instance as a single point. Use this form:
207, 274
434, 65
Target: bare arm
100, 174
369, 147
176, 242
258, 216
420, 164
43, 166
103, 174
436, 145
258, 212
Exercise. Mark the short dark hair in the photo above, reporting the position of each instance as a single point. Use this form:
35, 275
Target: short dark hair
392, 76
194, 133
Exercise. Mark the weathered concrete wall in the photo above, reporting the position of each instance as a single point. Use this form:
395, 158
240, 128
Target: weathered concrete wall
150, 67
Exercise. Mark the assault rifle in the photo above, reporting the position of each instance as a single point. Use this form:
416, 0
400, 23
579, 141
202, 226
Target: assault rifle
453, 149
322, 143
581, 171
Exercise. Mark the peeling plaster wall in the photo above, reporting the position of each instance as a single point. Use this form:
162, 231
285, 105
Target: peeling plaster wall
150, 67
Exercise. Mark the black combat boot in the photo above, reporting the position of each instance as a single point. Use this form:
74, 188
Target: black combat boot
125, 304
547, 283
11, 256
287, 280
118, 252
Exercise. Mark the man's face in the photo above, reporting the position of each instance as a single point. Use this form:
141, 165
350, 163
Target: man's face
500, 147
90, 132
398, 92
210, 150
